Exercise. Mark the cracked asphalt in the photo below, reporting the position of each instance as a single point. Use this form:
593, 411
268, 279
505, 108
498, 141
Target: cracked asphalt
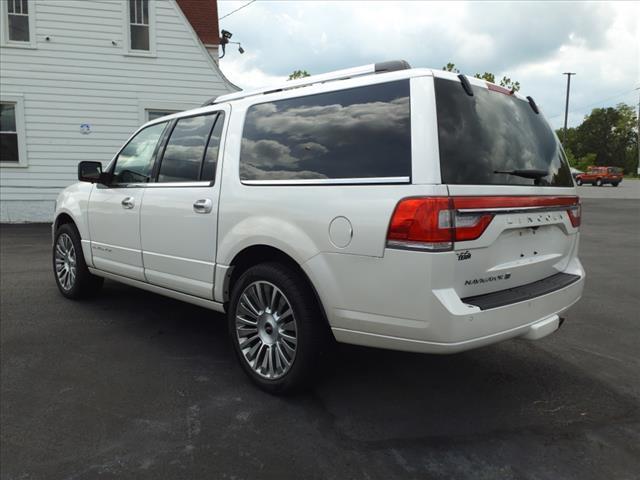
134, 385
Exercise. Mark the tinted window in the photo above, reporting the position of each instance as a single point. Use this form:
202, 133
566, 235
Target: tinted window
492, 131
211, 157
135, 161
184, 151
356, 133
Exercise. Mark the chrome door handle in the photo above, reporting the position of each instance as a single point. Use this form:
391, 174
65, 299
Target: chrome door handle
128, 202
204, 205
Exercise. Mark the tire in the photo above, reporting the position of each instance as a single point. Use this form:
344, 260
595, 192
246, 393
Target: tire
579, 182
262, 341
598, 182
615, 184
67, 257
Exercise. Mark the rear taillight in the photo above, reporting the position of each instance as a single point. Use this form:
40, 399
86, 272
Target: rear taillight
435, 223
423, 223
575, 213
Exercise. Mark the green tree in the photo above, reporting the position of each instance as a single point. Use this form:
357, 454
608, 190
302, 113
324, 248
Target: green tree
298, 74
450, 67
505, 82
488, 76
607, 136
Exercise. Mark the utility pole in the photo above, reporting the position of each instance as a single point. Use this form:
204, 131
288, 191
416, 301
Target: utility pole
566, 108
638, 171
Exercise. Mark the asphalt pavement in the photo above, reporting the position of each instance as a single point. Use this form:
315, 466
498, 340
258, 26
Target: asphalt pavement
132, 385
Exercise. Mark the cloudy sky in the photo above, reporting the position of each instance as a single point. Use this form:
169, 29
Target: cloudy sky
532, 42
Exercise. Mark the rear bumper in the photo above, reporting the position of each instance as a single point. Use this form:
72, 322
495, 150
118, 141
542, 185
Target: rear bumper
437, 320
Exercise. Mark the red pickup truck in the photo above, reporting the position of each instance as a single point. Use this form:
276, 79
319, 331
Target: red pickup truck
598, 176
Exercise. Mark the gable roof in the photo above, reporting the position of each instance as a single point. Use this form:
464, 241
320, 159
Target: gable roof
203, 17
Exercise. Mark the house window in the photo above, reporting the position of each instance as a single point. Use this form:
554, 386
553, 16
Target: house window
18, 20
152, 114
12, 141
8, 133
139, 25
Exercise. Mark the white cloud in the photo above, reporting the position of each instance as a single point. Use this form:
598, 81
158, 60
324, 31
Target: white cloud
533, 42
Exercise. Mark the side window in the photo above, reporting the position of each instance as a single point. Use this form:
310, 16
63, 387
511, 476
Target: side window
8, 133
213, 147
139, 25
361, 133
135, 161
184, 152
18, 20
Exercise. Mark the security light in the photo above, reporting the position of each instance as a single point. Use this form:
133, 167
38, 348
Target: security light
224, 40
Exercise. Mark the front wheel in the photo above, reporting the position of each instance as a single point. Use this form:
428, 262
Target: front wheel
276, 327
69, 268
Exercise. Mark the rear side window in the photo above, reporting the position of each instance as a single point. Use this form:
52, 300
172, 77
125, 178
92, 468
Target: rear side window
358, 133
184, 152
489, 132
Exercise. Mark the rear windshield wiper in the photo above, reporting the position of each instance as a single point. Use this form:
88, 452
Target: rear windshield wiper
525, 173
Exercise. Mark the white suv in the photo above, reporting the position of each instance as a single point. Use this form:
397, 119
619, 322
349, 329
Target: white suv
400, 208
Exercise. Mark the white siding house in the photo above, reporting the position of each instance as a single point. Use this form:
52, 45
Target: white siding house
77, 77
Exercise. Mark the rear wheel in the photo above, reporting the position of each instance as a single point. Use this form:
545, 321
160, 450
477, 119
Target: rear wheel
578, 181
598, 182
69, 268
615, 184
276, 327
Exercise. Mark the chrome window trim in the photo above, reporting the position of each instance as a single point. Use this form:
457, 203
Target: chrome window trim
179, 184
549, 208
331, 181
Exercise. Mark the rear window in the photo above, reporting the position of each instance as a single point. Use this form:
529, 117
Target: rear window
362, 132
490, 132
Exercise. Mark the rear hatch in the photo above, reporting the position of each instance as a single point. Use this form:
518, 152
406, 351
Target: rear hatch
514, 210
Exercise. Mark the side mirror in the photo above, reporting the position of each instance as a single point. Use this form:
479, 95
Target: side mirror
90, 172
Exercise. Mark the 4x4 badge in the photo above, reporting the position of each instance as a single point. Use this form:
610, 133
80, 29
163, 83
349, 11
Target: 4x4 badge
464, 255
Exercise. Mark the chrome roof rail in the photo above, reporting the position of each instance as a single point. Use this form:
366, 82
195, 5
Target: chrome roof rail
372, 68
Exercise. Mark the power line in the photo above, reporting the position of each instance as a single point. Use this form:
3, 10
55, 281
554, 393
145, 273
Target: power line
234, 11
577, 109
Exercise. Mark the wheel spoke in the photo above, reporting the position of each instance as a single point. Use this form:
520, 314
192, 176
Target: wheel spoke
287, 348
240, 320
289, 338
285, 315
265, 354
270, 363
282, 356
274, 294
248, 341
246, 304
252, 355
260, 296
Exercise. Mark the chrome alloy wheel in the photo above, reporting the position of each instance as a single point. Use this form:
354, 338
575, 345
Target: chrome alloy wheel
266, 329
65, 260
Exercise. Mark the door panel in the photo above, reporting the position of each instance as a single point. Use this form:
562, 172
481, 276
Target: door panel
114, 211
179, 216
115, 230
179, 244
